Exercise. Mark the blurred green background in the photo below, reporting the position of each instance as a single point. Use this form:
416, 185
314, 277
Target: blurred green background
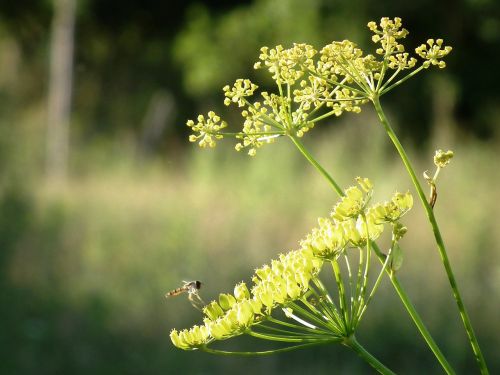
98, 222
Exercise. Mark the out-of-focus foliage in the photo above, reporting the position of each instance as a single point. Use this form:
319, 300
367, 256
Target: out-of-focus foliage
216, 50
85, 267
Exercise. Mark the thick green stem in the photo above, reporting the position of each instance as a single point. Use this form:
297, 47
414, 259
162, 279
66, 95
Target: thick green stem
394, 280
316, 165
352, 343
418, 322
437, 235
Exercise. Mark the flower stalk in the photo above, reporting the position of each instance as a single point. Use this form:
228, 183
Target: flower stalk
403, 296
353, 344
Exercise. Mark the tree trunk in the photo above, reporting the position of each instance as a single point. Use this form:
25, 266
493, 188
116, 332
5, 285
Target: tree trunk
60, 88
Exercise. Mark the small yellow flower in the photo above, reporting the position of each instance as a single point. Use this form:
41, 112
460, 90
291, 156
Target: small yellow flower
241, 292
388, 34
190, 338
213, 310
206, 130
241, 89
392, 211
354, 201
226, 301
433, 52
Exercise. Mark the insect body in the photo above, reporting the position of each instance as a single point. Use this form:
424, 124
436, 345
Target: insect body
191, 288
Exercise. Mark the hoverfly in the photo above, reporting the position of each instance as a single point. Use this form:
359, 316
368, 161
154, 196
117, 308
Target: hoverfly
191, 288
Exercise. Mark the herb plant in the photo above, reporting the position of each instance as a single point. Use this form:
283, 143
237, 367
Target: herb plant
288, 302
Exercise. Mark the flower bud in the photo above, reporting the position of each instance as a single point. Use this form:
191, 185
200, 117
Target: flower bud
442, 158
256, 305
220, 329
365, 184
244, 313
241, 292
176, 339
213, 310
226, 301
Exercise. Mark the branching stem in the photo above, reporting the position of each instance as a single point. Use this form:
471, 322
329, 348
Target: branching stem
437, 235
394, 280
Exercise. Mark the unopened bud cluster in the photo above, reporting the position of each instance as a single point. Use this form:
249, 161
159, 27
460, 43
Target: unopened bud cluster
442, 158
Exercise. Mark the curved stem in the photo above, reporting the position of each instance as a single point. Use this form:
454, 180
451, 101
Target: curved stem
283, 338
394, 280
306, 314
295, 326
352, 343
289, 333
437, 235
269, 352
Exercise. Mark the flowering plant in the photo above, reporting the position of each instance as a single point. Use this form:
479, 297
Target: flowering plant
288, 302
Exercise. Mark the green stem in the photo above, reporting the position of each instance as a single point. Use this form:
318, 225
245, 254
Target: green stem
437, 235
384, 89
342, 296
241, 134
377, 282
269, 352
284, 338
394, 280
295, 326
316, 165
328, 307
297, 310
418, 322
290, 333
352, 343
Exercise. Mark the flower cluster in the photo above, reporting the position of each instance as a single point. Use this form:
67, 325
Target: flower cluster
388, 34
433, 52
352, 223
285, 280
206, 130
392, 211
286, 65
241, 89
288, 278
314, 85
